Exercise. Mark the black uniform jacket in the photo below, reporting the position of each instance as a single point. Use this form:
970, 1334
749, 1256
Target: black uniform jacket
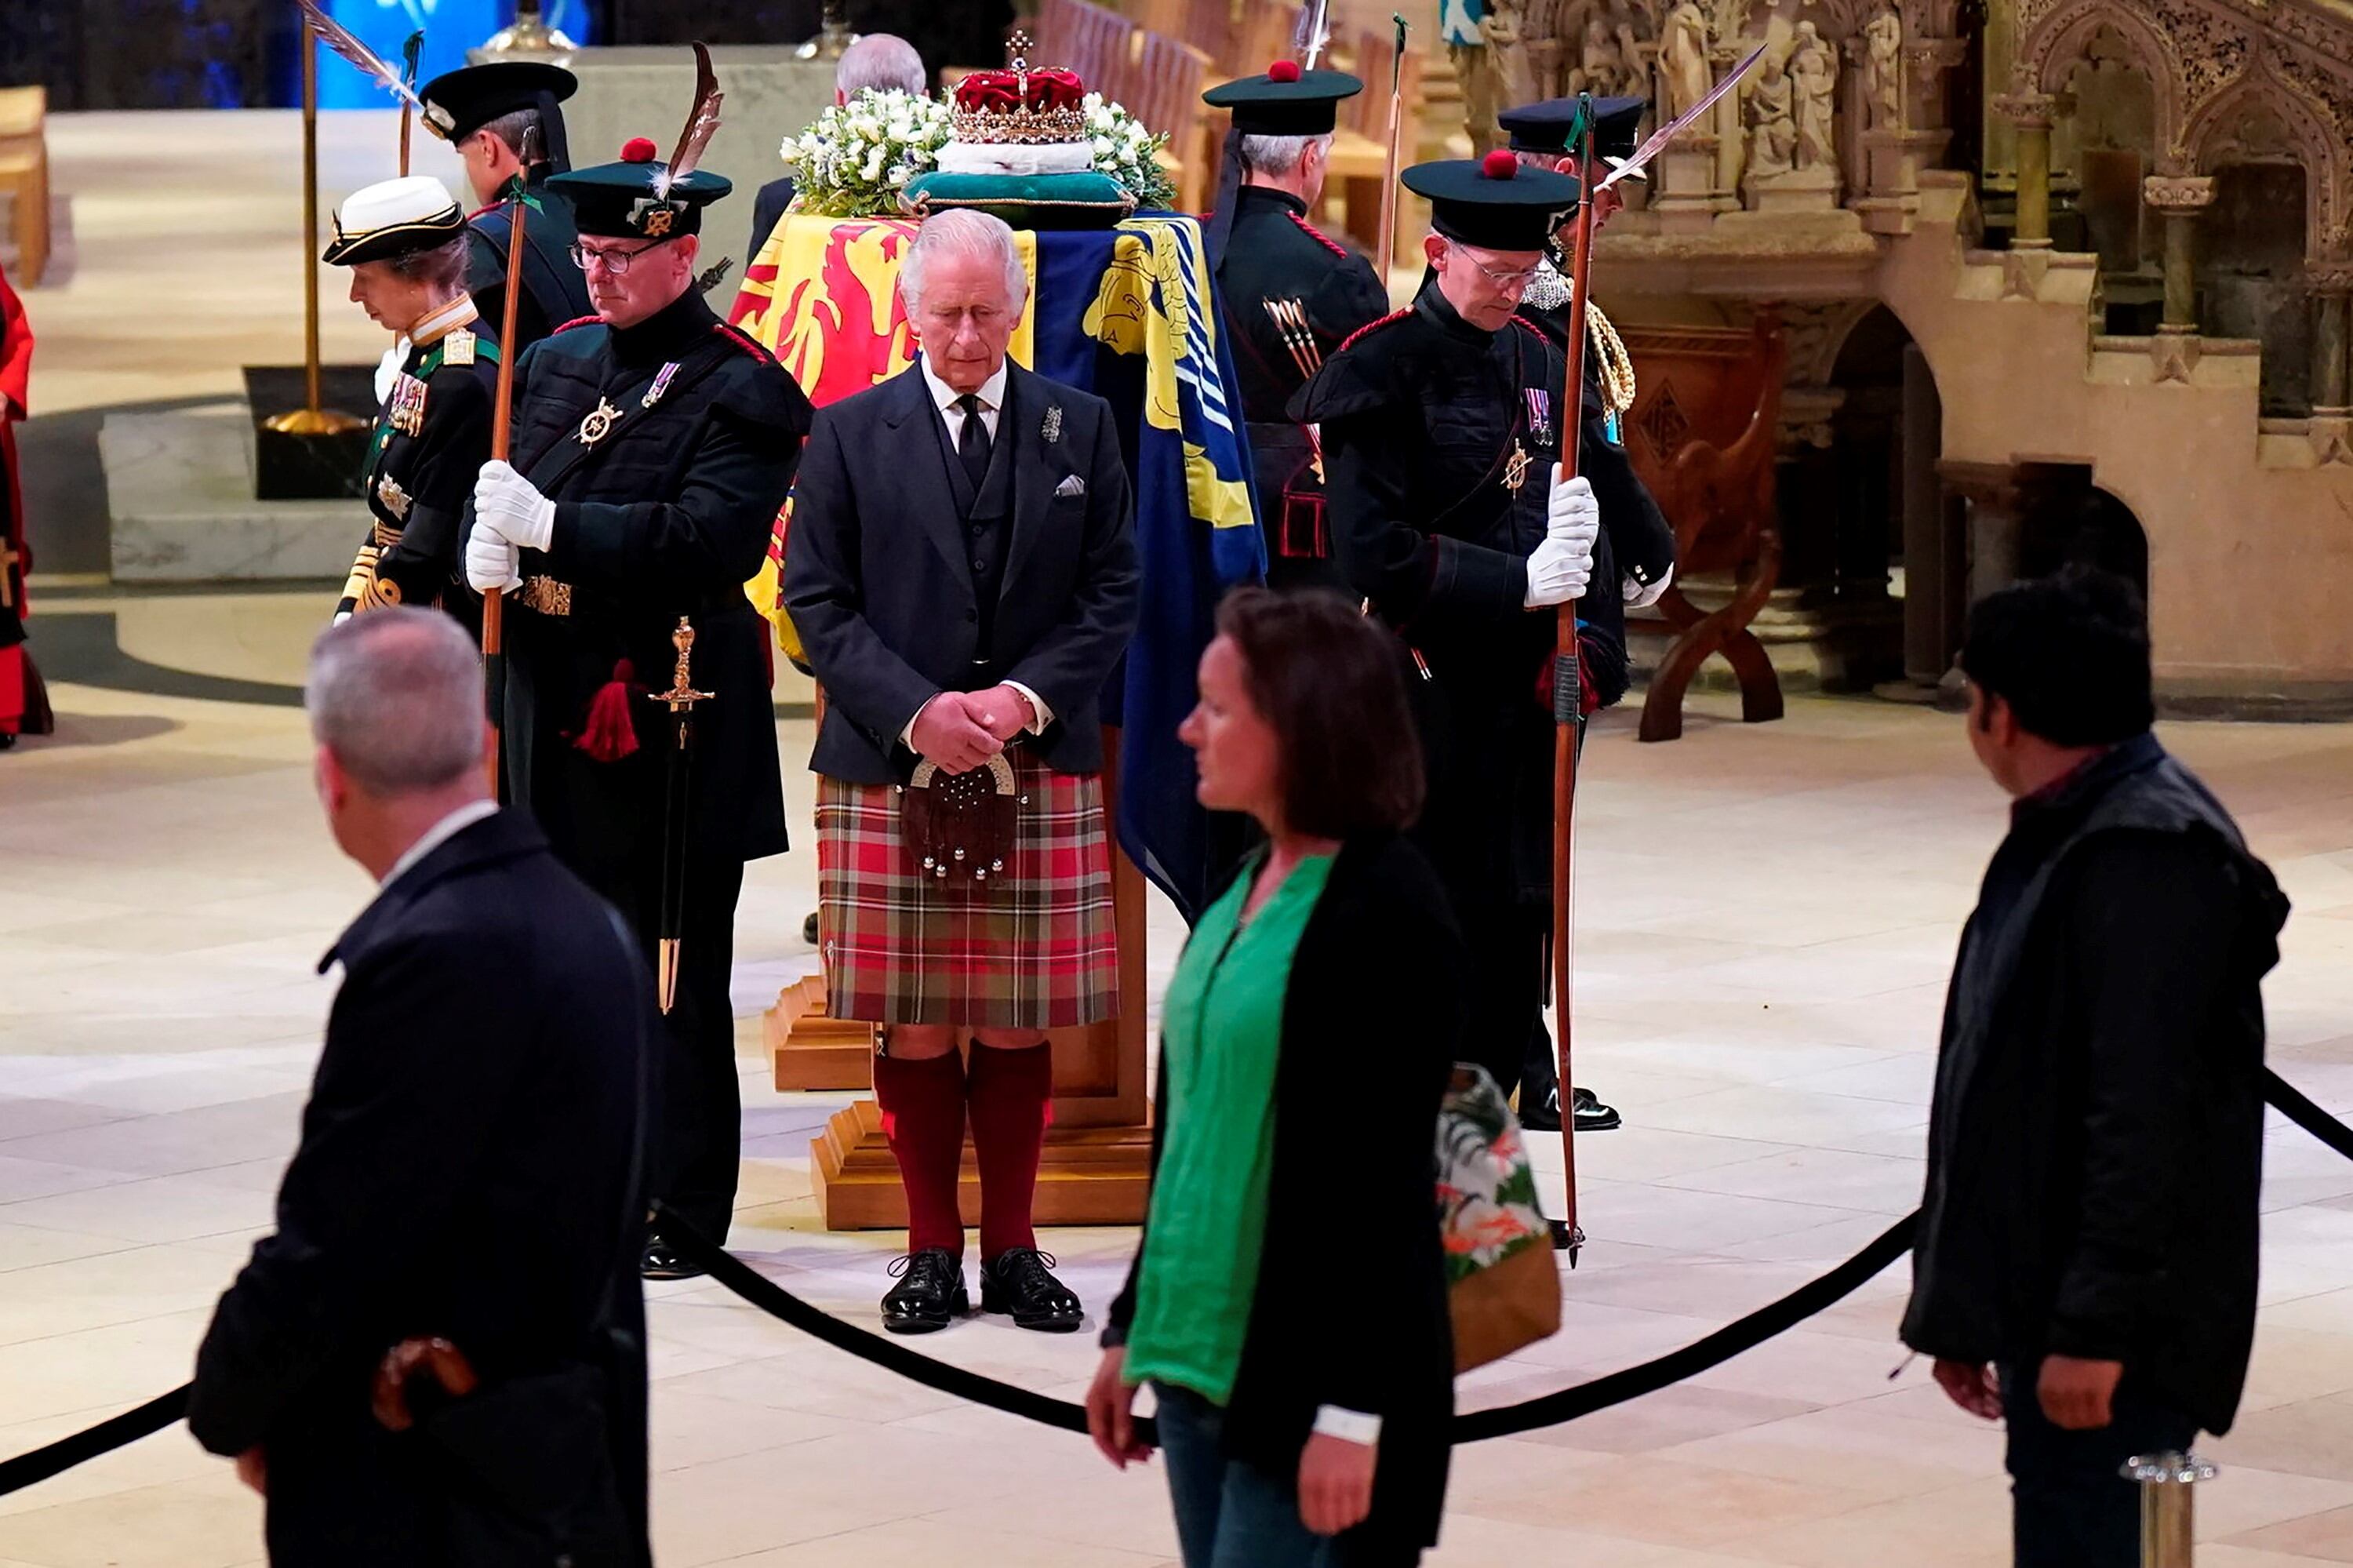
662, 512
2096, 1142
1275, 255
1354, 1180
1422, 417
877, 579
553, 291
768, 206
419, 484
1642, 540
465, 1171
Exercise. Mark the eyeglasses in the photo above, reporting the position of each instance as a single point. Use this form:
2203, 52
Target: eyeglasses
616, 261
1519, 279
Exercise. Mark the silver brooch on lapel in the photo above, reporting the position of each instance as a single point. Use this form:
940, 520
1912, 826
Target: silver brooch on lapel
1053, 429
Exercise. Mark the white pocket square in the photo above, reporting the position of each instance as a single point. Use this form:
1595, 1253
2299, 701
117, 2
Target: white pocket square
1072, 485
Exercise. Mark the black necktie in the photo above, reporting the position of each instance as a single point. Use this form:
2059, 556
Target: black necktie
972, 445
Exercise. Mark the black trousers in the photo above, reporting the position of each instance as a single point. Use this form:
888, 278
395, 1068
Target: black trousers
2070, 1506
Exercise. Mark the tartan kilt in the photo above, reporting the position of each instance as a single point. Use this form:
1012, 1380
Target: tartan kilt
1032, 948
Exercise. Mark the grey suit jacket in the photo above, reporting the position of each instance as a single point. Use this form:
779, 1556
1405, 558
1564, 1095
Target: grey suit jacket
877, 583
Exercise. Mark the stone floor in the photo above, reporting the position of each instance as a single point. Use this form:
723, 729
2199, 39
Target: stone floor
1766, 915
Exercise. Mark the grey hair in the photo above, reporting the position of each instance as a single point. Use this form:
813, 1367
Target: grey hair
441, 269
962, 231
514, 129
397, 694
882, 62
1280, 154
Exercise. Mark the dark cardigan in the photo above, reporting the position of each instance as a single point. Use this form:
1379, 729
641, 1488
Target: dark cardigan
1350, 1308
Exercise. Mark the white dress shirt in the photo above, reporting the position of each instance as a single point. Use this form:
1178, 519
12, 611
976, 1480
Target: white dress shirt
439, 833
944, 397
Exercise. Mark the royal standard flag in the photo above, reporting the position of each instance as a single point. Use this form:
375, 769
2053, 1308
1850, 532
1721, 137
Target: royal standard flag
1124, 313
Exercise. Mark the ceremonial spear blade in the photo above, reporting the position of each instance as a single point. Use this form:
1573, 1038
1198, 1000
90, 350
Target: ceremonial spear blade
1673, 128
671, 920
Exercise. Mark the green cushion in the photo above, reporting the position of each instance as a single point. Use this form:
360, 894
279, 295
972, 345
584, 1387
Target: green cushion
1083, 199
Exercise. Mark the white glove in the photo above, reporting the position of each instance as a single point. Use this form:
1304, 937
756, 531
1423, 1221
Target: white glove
511, 507
1641, 595
340, 616
491, 562
1562, 567
387, 369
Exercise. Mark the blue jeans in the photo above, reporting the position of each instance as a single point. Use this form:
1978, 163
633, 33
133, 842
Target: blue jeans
1232, 1514
2070, 1506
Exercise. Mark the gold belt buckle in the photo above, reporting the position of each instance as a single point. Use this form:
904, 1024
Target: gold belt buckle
547, 595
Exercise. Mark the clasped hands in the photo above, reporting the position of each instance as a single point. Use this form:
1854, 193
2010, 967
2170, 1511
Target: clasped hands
960, 731
510, 516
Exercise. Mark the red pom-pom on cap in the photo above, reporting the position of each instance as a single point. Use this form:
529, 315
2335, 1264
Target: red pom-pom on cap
1282, 70
1500, 164
638, 150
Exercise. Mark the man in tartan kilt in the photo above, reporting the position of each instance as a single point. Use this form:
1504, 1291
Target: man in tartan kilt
961, 569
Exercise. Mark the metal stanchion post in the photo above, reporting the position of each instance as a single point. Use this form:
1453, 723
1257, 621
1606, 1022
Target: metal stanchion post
2167, 1516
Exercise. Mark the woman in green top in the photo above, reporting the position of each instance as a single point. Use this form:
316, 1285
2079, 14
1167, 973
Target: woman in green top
1288, 1302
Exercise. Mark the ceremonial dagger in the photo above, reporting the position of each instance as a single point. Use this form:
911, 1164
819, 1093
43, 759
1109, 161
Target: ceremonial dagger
671, 917
1568, 689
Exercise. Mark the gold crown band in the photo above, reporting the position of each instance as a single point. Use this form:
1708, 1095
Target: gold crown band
1025, 124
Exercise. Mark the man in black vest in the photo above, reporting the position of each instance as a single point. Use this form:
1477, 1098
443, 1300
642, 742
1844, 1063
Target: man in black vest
494, 114
2085, 1264
652, 449
468, 1169
962, 571
1290, 295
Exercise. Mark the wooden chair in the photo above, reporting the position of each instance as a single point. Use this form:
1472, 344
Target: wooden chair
25, 174
1360, 147
1701, 435
1164, 92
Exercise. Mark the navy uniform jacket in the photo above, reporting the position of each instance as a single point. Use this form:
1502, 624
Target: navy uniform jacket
421, 472
1274, 254
667, 512
1421, 418
464, 1171
553, 291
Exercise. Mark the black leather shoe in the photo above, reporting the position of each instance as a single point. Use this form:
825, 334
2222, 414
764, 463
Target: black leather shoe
930, 1294
1591, 1115
1543, 1117
1021, 1282
808, 930
661, 1262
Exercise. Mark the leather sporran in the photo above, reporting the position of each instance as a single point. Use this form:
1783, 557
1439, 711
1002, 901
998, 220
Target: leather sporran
962, 825
1502, 1290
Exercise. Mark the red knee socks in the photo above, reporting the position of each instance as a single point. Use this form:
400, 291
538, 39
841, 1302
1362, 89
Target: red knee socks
922, 1120
1011, 1097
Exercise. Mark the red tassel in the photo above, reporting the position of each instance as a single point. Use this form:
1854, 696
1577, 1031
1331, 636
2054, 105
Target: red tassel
609, 735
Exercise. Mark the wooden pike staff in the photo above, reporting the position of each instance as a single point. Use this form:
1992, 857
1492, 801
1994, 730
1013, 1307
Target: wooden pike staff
1569, 696
408, 53
494, 601
1387, 249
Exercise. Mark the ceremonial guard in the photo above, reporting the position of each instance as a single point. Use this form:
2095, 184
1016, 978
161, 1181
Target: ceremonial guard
1441, 431
503, 120
652, 447
1290, 295
24, 703
1642, 541
963, 600
404, 241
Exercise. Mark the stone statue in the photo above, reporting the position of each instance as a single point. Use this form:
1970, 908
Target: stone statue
1882, 71
1682, 54
1813, 67
1770, 112
1599, 65
1504, 29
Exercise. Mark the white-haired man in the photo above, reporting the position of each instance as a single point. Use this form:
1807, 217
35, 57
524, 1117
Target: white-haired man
962, 571
1292, 296
883, 62
469, 1170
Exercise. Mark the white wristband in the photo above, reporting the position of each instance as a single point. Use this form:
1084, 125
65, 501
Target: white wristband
1348, 1425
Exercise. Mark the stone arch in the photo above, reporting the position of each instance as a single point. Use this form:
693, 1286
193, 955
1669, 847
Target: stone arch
2218, 133
2049, 53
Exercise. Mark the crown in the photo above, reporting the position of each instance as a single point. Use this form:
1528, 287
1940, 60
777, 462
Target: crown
1019, 104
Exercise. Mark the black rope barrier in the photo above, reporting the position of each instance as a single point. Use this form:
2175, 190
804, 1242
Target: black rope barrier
1479, 1426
